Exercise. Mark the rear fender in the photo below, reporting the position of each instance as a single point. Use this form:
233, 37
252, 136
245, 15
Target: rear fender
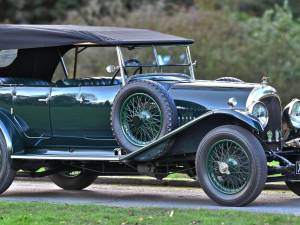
11, 134
186, 138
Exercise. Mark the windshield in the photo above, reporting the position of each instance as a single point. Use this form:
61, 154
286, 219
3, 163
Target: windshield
156, 59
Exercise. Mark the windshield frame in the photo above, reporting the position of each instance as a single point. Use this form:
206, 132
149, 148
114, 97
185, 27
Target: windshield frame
122, 65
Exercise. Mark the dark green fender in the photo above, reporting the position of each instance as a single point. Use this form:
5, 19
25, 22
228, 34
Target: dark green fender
11, 133
187, 137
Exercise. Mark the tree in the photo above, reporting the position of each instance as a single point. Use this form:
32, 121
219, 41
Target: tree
37, 11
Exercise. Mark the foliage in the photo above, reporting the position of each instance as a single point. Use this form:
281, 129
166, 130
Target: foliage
225, 45
275, 40
267, 45
256, 8
47, 11
37, 11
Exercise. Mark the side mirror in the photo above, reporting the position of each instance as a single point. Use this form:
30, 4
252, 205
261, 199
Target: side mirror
111, 68
194, 64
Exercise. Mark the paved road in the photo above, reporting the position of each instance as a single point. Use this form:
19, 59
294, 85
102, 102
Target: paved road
129, 195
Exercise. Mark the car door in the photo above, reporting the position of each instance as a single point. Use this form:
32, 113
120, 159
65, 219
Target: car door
31, 110
96, 103
65, 114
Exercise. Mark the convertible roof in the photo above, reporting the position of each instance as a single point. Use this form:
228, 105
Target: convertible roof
40, 36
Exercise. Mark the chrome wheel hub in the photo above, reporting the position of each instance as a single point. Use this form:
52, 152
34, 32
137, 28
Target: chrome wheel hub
223, 168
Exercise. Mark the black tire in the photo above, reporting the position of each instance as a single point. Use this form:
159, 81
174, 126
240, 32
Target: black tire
7, 173
160, 97
77, 182
294, 186
256, 162
230, 79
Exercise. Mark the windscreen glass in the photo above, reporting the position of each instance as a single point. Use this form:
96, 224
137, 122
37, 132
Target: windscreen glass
156, 59
7, 57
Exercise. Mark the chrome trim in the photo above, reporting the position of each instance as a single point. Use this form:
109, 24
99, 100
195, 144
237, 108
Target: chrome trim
291, 104
121, 65
7, 138
250, 111
75, 158
62, 61
173, 132
99, 139
191, 67
155, 55
232, 102
290, 107
260, 92
46, 100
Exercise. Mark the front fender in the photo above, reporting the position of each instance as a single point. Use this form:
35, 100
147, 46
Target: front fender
11, 134
187, 137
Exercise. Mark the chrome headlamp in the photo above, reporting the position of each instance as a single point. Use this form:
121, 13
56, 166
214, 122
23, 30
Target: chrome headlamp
294, 113
260, 111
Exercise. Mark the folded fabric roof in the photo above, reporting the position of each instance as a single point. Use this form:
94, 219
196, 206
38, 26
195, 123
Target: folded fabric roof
38, 36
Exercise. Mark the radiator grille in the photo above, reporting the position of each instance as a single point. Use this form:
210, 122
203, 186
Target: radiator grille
274, 124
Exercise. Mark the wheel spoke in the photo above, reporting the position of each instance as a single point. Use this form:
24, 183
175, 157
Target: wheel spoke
228, 166
141, 119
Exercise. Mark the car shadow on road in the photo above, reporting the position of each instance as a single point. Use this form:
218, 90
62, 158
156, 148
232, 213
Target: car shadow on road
143, 196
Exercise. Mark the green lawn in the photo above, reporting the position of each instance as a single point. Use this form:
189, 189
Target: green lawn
42, 213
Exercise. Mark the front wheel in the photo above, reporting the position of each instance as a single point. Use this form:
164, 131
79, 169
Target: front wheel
294, 186
7, 173
73, 180
231, 166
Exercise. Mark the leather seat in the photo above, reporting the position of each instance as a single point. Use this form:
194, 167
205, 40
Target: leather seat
23, 81
103, 81
6, 80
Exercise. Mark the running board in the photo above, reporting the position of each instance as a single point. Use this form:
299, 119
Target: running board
86, 155
77, 158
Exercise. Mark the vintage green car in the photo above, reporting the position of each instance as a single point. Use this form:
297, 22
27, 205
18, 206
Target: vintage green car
145, 114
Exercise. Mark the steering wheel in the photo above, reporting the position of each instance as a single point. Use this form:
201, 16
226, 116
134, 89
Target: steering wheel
134, 62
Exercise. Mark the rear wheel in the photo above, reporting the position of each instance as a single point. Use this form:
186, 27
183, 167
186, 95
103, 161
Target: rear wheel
73, 179
7, 173
231, 166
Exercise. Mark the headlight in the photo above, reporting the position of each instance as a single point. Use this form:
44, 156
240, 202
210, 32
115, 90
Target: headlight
260, 111
294, 113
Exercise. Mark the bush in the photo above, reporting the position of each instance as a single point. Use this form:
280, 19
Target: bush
275, 40
37, 11
225, 45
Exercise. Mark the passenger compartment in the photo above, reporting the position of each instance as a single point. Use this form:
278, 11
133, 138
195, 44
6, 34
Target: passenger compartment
23, 82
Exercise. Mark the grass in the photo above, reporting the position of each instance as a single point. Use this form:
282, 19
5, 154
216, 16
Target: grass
44, 213
178, 176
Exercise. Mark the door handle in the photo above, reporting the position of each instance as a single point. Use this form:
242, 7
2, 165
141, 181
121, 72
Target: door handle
80, 99
46, 100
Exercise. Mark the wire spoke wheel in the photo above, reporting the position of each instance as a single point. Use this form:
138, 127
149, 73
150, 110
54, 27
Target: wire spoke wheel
231, 165
141, 119
228, 166
72, 179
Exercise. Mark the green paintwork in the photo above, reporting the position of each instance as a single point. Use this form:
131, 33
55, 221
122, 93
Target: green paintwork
77, 114
228, 166
141, 119
190, 144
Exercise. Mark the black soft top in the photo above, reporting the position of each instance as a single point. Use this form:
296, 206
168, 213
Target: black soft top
40, 36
